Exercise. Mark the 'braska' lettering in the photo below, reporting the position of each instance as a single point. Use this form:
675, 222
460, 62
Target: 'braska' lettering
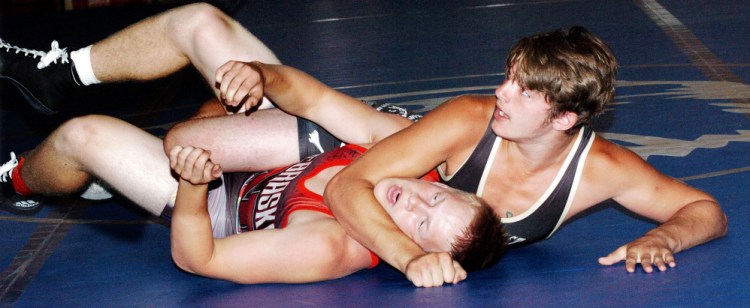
268, 200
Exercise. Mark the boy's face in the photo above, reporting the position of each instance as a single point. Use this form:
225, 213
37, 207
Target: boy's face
431, 214
519, 113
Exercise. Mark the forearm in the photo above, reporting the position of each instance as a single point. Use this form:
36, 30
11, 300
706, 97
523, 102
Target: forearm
191, 236
362, 217
694, 224
290, 89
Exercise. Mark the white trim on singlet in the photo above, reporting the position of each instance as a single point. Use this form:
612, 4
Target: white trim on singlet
447, 177
441, 171
576, 181
488, 166
551, 187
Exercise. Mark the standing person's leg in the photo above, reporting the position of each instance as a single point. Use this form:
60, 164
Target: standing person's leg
122, 155
152, 48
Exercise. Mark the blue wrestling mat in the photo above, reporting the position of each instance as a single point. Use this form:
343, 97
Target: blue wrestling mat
683, 100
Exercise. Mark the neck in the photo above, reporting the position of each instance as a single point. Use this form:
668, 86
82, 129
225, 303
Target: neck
541, 152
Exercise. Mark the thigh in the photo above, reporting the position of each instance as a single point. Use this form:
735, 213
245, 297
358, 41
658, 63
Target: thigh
314, 139
264, 140
129, 160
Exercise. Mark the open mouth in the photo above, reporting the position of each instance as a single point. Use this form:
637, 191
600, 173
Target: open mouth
394, 193
499, 113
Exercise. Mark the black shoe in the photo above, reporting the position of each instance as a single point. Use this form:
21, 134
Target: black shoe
44, 78
11, 201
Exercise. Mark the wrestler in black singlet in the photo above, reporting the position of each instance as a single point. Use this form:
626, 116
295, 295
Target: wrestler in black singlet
545, 219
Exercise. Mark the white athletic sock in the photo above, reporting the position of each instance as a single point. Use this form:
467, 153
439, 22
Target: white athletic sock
82, 60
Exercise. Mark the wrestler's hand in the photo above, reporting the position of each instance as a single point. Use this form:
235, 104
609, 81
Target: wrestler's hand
193, 165
434, 269
649, 251
240, 85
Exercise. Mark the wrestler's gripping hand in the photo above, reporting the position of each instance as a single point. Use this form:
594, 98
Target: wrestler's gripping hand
193, 165
240, 85
650, 251
434, 269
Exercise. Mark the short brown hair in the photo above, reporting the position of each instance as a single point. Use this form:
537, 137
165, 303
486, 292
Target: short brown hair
574, 69
484, 242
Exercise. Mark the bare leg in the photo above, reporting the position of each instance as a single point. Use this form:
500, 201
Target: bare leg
163, 44
124, 156
204, 36
263, 140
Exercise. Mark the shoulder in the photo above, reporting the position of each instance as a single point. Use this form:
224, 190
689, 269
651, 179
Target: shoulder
606, 154
468, 106
453, 129
617, 169
463, 114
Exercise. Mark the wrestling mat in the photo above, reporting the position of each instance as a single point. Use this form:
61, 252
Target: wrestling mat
682, 102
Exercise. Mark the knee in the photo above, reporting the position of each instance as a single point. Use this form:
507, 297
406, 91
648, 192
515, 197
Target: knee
78, 134
174, 137
195, 18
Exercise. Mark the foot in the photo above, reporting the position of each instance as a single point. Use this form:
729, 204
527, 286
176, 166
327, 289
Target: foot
10, 200
97, 191
44, 78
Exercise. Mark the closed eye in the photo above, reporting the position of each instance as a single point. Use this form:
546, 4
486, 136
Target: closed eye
436, 198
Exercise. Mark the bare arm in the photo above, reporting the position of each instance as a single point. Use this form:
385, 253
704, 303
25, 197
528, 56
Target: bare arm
688, 216
192, 242
299, 94
311, 250
411, 152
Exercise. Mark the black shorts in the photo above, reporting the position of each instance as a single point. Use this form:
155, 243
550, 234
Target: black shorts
313, 139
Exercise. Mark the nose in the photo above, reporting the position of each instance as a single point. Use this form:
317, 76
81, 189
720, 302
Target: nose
500, 91
414, 202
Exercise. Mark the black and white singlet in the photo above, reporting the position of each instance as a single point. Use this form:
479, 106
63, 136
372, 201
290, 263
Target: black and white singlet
546, 215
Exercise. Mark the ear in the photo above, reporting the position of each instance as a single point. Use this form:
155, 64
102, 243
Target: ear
565, 121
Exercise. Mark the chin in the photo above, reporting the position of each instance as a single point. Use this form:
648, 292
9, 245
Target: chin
381, 192
497, 128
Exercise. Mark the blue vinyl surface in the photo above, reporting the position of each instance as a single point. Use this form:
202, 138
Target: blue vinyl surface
683, 99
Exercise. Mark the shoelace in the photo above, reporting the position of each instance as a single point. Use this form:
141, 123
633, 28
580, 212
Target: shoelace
27, 204
7, 167
45, 58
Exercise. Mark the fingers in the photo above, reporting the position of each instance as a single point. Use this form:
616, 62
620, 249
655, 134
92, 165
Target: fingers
193, 164
431, 278
614, 257
460, 273
630, 261
648, 257
434, 270
661, 259
173, 161
239, 83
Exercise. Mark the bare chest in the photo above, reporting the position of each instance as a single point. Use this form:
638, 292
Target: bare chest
512, 191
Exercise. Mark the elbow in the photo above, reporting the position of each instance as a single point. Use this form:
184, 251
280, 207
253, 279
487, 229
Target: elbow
183, 263
343, 188
721, 221
334, 255
330, 192
188, 264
